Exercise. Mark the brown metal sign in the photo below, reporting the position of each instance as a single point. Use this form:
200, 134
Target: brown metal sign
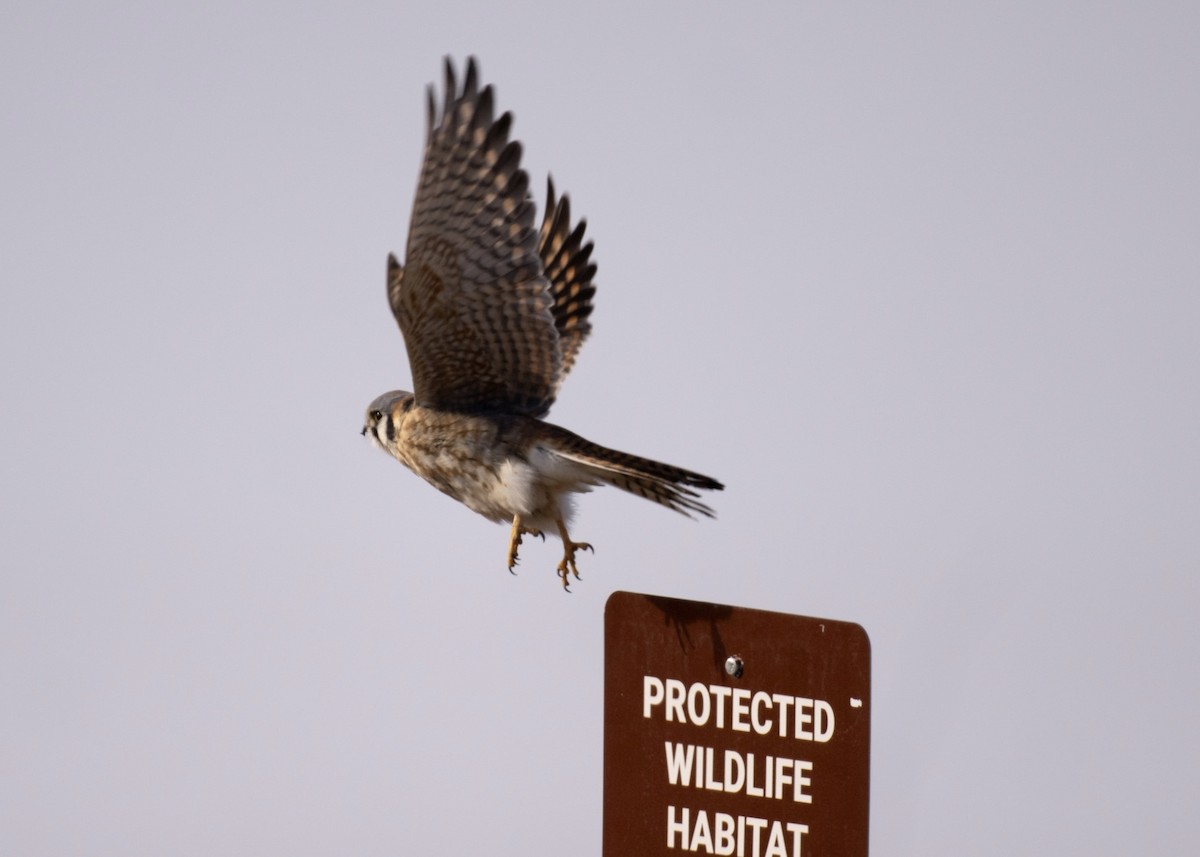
733, 732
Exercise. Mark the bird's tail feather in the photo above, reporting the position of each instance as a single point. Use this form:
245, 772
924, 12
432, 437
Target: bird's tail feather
670, 486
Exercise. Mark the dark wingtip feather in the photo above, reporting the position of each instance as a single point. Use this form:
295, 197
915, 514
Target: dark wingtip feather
430, 113
451, 88
483, 110
471, 83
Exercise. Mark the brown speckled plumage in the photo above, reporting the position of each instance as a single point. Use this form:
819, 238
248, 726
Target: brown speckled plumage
493, 313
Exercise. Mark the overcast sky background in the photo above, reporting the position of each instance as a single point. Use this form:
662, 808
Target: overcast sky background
919, 282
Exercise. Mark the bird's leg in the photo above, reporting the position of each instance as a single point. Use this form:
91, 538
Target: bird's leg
514, 541
567, 566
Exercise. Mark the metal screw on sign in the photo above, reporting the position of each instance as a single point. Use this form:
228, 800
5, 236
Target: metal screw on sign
734, 666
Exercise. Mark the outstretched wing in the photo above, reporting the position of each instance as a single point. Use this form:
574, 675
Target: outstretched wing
472, 301
567, 263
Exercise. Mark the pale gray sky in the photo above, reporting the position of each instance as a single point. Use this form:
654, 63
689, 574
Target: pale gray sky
919, 282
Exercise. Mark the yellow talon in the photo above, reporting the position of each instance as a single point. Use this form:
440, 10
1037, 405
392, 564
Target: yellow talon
567, 566
514, 541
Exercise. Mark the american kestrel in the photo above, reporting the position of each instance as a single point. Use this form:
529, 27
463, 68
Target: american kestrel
493, 313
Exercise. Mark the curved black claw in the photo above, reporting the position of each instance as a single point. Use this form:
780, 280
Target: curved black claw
567, 566
566, 580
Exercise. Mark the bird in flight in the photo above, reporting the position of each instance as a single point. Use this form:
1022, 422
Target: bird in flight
493, 313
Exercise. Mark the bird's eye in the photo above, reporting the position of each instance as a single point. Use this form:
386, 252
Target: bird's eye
376, 416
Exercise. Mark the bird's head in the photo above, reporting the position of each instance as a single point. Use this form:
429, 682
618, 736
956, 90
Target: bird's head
384, 416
